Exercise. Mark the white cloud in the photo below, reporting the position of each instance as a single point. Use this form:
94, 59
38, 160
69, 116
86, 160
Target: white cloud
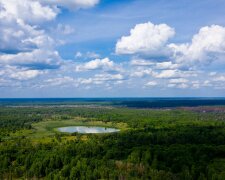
219, 78
16, 74
19, 36
27, 10
145, 38
38, 58
141, 62
27, 52
10, 73
195, 85
206, 83
20, 33
102, 79
104, 64
24, 42
72, 4
179, 80
92, 55
86, 81
87, 55
3, 82
59, 81
141, 72
78, 54
166, 65
26, 48
155, 65
151, 83
180, 86
174, 74
25, 74
20, 21
108, 77
167, 74
206, 46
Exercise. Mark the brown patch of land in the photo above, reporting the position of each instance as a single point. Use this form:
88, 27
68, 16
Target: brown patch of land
205, 109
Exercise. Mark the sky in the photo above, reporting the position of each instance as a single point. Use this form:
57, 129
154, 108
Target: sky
112, 48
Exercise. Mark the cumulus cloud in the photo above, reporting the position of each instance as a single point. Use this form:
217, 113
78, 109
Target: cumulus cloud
180, 86
219, 78
179, 80
166, 65
27, 52
26, 74
145, 38
87, 55
4, 82
97, 64
102, 79
197, 85
24, 44
206, 83
151, 84
108, 77
78, 54
18, 36
59, 81
142, 72
154, 65
27, 10
72, 4
173, 73
36, 59
167, 74
21, 74
92, 55
141, 62
20, 21
206, 46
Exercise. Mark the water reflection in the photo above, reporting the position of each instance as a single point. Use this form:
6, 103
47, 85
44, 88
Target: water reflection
87, 129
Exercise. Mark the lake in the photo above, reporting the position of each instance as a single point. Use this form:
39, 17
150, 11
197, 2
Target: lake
87, 129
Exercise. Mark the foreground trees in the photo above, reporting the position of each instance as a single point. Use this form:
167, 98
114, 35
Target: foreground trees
158, 145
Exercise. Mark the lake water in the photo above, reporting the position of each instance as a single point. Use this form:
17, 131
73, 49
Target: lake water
87, 129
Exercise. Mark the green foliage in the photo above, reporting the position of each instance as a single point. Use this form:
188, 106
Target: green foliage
154, 144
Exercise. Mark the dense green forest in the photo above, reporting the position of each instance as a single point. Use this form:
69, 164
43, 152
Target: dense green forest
152, 144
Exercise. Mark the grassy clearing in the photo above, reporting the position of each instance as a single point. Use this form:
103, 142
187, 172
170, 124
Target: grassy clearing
47, 129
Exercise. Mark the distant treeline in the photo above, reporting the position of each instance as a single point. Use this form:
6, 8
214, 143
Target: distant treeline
125, 102
171, 103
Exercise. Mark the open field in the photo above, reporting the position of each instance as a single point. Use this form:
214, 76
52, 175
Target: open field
46, 130
49, 128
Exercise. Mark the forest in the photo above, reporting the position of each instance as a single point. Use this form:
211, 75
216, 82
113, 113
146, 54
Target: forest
161, 143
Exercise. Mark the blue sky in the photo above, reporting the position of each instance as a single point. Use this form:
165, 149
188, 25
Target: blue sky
112, 48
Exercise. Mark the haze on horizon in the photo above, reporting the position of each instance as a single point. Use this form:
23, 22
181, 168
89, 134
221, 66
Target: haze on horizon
112, 48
